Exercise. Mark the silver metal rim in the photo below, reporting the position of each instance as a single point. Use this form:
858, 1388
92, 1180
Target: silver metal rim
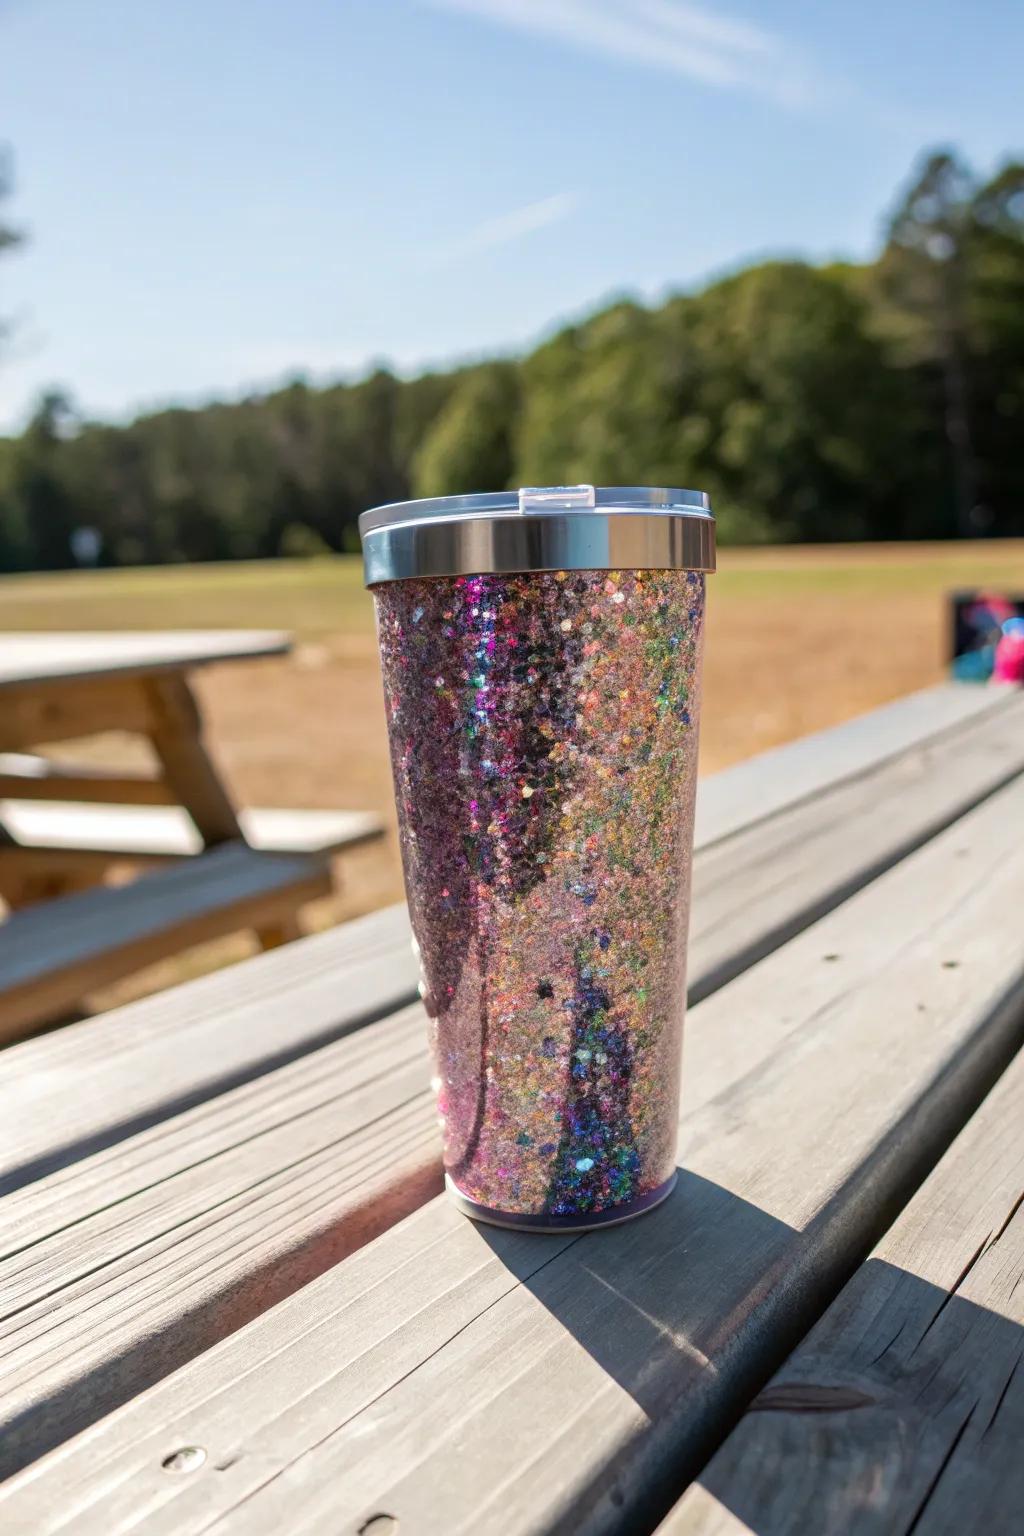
492, 543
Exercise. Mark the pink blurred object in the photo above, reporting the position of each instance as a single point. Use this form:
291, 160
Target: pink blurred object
1009, 658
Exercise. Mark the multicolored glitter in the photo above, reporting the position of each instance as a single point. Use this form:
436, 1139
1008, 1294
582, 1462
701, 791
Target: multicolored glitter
543, 734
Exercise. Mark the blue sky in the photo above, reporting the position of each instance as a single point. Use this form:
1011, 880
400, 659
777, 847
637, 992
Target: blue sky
223, 193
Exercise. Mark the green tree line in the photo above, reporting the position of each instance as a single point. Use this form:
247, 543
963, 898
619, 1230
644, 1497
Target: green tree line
814, 403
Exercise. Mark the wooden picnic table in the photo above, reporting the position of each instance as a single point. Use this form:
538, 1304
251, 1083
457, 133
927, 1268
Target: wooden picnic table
55, 687
234, 1300
64, 826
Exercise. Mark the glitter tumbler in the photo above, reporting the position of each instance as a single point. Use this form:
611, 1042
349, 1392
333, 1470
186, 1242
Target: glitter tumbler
541, 655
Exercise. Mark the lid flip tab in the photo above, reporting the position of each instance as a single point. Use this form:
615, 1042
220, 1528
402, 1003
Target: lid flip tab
556, 498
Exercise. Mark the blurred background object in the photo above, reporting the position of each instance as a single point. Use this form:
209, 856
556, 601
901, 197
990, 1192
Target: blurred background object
982, 622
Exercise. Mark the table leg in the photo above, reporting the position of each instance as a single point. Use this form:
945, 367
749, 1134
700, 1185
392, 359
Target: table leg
176, 731
273, 935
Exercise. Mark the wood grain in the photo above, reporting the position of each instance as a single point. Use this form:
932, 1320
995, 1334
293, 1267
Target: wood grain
109, 1077
782, 777
781, 873
53, 953
196, 1201
25, 776
903, 1409
509, 1383
32, 715
53, 1388
120, 1268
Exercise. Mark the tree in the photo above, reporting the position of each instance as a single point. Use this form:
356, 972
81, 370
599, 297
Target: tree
39, 491
995, 300
947, 292
9, 236
800, 415
923, 272
470, 444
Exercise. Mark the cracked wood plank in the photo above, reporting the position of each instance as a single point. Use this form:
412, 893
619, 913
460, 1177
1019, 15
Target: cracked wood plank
903, 1409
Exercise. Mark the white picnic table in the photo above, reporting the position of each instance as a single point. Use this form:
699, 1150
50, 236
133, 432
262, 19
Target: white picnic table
234, 1299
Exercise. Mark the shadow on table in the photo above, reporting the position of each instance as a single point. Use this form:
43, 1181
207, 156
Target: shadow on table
693, 1321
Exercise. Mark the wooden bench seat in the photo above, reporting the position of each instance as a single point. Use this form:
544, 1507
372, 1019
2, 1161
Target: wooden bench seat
783, 776
52, 953
169, 1240
494, 1377
104, 1079
913, 1374
152, 832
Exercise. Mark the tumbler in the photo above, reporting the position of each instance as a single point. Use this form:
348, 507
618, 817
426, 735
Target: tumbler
541, 657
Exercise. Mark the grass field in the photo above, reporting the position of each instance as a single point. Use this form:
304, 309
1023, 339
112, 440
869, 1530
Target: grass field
798, 638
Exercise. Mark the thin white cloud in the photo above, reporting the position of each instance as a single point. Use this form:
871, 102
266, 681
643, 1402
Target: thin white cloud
668, 35
505, 227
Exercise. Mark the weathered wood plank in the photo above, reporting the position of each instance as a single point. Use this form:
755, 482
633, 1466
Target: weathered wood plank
53, 953
32, 715
46, 658
129, 1263
783, 872
903, 1409
112, 1076
24, 776
509, 1383
779, 778
152, 832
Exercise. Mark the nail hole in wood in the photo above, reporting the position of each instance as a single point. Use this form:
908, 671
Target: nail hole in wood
379, 1525
189, 1458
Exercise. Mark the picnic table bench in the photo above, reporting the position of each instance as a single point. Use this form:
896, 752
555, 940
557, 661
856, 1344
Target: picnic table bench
233, 1298
64, 826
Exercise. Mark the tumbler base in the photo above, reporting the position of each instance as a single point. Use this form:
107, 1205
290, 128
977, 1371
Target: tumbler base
587, 1222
